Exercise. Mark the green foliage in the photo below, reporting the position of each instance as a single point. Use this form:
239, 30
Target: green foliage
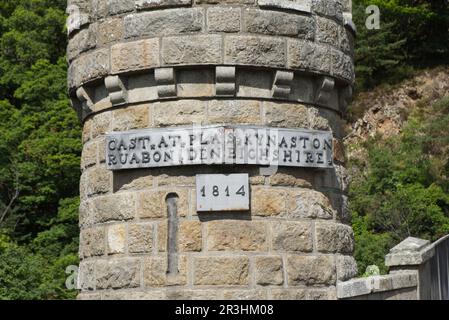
39, 153
378, 52
413, 34
403, 190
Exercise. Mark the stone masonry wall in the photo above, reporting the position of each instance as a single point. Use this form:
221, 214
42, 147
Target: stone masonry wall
152, 64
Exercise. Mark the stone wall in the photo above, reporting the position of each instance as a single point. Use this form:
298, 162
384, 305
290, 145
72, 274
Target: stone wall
155, 64
418, 271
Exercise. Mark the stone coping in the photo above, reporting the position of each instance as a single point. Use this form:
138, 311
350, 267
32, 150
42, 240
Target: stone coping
412, 251
364, 286
96, 10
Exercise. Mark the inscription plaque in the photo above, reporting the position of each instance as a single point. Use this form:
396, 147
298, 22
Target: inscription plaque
220, 192
218, 145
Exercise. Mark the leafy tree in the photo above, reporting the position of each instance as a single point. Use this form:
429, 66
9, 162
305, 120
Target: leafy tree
413, 34
379, 53
39, 153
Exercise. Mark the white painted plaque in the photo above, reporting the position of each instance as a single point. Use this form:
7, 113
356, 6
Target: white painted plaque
218, 145
221, 192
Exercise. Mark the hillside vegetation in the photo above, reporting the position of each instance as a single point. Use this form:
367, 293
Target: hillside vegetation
398, 128
39, 153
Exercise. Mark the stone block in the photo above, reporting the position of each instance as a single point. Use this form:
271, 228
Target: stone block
137, 55
81, 42
355, 287
319, 119
86, 278
115, 207
133, 180
152, 203
223, 19
230, 235
110, 31
221, 270
190, 237
224, 1
234, 111
92, 242
342, 65
116, 238
346, 41
269, 270
101, 146
301, 6
89, 155
323, 294
197, 294
306, 55
250, 50
118, 273
289, 180
140, 238
204, 49
311, 270
156, 4
133, 117
308, 203
346, 268
245, 295
332, 9
89, 66
164, 23
287, 115
86, 214
87, 127
88, 296
99, 181
101, 123
134, 295
278, 23
177, 113
289, 294
268, 201
292, 236
119, 6
334, 237
155, 272
98, 8
327, 31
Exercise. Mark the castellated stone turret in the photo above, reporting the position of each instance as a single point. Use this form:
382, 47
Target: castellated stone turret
144, 72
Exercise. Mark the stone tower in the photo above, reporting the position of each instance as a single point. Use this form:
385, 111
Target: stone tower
143, 70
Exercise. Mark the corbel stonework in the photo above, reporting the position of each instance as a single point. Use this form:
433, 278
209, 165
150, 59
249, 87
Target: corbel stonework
324, 90
225, 81
116, 86
166, 82
282, 85
84, 96
86, 104
345, 97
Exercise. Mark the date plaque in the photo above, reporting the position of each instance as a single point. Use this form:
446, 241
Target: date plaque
222, 192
